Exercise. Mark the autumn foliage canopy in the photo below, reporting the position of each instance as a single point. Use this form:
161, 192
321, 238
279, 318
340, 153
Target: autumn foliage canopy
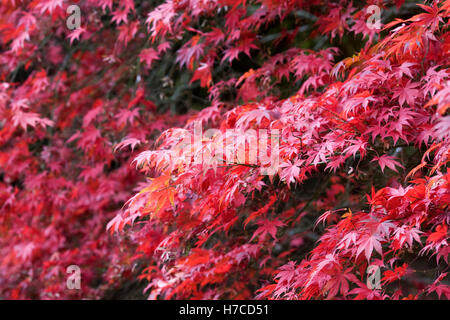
95, 170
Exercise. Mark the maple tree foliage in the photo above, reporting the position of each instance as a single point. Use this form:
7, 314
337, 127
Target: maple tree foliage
94, 171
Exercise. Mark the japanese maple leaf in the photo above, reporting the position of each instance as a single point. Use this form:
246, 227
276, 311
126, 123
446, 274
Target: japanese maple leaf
407, 94
405, 68
267, 227
387, 161
439, 288
49, 5
335, 163
330, 260
291, 171
215, 36
148, 56
203, 73
93, 113
339, 283
434, 79
327, 216
440, 234
405, 116
397, 274
442, 99
163, 46
25, 251
257, 115
75, 34
91, 172
357, 145
367, 245
106, 4
363, 292
127, 32
126, 115
133, 142
285, 276
432, 18
405, 235
158, 20
28, 20
116, 224
32, 119
190, 52
19, 41
120, 16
